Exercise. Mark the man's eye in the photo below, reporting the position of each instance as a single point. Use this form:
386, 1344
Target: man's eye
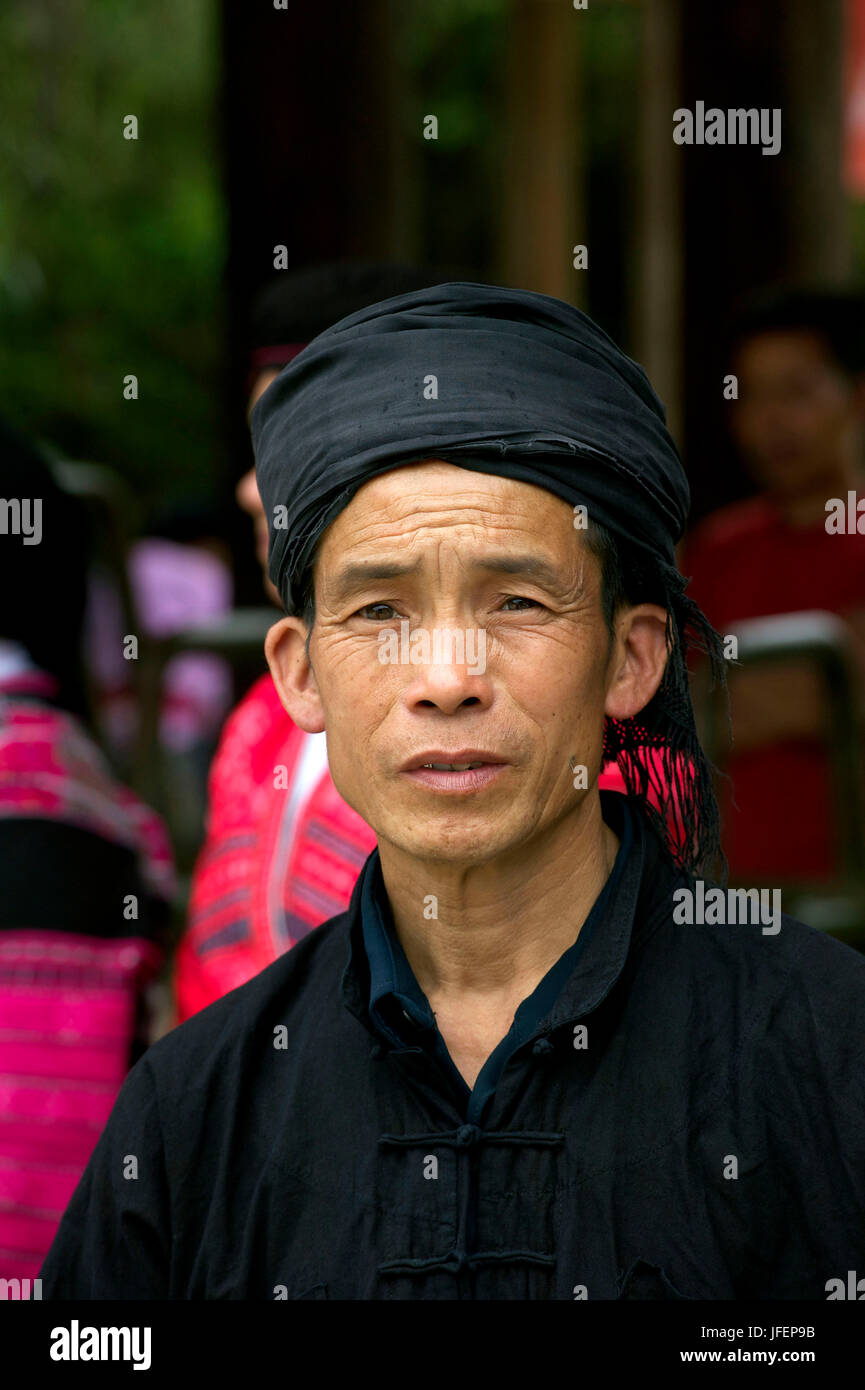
518, 598
373, 611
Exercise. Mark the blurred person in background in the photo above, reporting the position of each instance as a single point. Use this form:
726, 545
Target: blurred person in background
179, 578
799, 359
87, 875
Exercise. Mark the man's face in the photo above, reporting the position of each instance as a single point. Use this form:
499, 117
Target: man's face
797, 414
474, 552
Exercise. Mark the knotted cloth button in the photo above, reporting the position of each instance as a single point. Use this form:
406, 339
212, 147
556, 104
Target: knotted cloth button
542, 1048
467, 1134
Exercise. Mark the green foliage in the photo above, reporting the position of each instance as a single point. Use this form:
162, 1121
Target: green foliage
452, 56
111, 249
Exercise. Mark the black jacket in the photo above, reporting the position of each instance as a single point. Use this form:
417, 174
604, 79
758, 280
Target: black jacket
707, 1143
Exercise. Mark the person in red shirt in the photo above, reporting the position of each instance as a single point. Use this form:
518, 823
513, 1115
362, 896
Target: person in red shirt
799, 359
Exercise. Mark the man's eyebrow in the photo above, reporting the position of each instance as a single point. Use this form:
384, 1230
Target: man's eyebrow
356, 574
533, 566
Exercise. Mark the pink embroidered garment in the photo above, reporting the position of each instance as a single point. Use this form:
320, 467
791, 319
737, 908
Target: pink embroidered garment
88, 877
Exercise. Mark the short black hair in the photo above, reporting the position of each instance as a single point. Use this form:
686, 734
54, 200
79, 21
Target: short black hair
627, 577
837, 316
294, 306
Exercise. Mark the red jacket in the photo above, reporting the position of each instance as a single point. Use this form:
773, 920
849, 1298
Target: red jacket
271, 869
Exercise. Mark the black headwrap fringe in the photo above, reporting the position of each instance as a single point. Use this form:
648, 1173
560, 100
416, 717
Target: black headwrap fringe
674, 790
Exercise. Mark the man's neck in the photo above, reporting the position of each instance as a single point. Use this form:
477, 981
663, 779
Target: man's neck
501, 925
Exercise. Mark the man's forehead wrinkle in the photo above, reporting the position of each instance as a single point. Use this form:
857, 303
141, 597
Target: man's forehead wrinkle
516, 533
442, 481
436, 485
406, 517
417, 515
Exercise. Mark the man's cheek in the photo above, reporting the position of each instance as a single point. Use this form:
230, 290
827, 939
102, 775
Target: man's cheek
551, 695
353, 677
348, 772
353, 740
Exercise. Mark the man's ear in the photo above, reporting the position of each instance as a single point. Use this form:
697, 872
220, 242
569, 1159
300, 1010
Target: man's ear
293, 676
638, 660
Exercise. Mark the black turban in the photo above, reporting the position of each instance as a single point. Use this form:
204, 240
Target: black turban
527, 387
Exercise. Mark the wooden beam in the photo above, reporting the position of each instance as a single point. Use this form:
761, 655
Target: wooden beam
541, 204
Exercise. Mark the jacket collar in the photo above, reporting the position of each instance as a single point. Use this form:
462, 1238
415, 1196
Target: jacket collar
642, 899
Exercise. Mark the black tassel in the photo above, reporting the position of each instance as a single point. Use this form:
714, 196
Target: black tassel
674, 789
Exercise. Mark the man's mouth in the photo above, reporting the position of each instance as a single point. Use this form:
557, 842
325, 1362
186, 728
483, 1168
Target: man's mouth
453, 767
470, 770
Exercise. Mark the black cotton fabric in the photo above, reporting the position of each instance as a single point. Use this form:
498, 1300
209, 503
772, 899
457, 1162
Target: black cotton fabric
526, 387
298, 1171
401, 1010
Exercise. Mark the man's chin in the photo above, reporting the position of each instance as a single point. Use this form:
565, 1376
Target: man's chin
462, 846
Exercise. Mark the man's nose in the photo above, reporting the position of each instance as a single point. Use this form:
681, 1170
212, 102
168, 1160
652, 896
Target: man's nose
448, 670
